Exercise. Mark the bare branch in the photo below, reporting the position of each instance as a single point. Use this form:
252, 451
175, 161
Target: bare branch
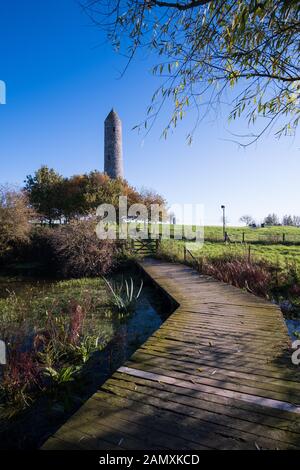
177, 5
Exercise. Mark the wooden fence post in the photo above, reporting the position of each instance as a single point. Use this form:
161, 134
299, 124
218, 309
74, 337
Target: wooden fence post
249, 253
184, 253
283, 237
243, 237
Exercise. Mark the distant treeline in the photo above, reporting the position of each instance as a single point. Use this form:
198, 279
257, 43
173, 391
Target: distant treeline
273, 220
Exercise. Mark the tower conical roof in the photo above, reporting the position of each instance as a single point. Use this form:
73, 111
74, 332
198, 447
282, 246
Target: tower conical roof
112, 116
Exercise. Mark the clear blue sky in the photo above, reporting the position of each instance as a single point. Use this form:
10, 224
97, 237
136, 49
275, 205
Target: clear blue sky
61, 83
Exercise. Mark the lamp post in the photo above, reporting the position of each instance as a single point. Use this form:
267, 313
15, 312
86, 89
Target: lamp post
224, 222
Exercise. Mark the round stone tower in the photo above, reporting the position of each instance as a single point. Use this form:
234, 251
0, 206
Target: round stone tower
113, 154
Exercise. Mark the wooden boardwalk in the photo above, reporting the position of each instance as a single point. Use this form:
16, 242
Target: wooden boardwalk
216, 375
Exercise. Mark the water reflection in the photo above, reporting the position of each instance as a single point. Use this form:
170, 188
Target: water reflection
128, 333
293, 327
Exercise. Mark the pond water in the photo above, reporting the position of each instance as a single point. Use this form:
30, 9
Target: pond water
293, 326
123, 335
152, 308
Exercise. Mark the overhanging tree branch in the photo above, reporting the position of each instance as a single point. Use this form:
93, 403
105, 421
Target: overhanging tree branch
206, 47
177, 5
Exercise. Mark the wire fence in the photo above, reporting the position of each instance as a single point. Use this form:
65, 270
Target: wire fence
253, 238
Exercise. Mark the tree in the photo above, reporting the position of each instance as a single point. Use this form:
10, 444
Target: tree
204, 47
271, 219
55, 197
247, 219
296, 220
287, 220
44, 191
15, 218
150, 197
100, 188
72, 196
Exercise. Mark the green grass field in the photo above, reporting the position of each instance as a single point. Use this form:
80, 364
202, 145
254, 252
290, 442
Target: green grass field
254, 235
265, 244
279, 246
283, 256
264, 235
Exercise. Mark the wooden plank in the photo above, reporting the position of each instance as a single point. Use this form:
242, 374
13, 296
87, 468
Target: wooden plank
90, 440
231, 358
229, 347
54, 443
233, 367
215, 370
229, 385
216, 375
103, 434
242, 339
194, 409
249, 411
180, 380
200, 432
127, 418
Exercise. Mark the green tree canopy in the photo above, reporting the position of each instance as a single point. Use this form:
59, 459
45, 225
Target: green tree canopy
44, 191
271, 219
55, 197
287, 220
204, 47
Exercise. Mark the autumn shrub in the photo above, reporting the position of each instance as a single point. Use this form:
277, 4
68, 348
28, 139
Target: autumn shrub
15, 216
226, 264
77, 252
240, 272
21, 376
